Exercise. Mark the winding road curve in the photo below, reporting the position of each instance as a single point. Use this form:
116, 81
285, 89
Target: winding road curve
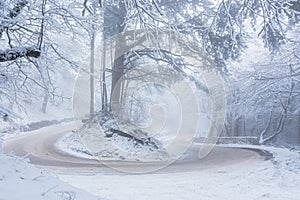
226, 173
39, 147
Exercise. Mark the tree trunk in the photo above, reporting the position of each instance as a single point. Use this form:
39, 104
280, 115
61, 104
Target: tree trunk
45, 103
118, 72
92, 71
119, 58
103, 80
298, 124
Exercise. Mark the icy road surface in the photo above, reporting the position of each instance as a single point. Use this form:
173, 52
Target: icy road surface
226, 173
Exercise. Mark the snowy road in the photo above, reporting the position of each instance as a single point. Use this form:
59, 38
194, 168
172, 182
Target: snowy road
40, 149
226, 173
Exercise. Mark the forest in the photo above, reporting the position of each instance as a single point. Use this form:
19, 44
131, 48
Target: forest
253, 46
149, 99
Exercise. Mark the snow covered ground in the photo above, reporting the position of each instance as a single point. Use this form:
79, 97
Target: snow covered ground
275, 179
21, 180
248, 177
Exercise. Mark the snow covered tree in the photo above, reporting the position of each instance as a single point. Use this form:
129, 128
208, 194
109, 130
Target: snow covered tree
268, 97
223, 28
9, 18
30, 31
31, 53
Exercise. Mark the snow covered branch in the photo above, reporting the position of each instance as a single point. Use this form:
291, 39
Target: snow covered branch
14, 53
12, 14
293, 5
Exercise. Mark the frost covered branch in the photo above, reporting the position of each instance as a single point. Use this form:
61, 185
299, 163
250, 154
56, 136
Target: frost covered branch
14, 53
12, 14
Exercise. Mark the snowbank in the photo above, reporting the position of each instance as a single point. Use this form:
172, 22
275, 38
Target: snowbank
92, 142
20, 180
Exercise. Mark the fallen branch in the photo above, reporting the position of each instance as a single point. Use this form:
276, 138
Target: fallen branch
142, 141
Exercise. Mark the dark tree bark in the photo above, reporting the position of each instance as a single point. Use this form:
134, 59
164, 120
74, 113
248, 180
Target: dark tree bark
115, 14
